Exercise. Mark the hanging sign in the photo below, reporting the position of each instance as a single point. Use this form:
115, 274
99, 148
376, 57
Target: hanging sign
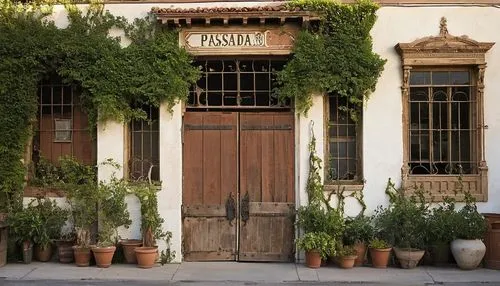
234, 41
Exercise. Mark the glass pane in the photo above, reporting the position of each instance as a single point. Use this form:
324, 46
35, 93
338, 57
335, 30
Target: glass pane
460, 93
229, 66
230, 82
420, 78
440, 145
57, 95
214, 66
333, 131
440, 94
136, 145
261, 66
246, 81
155, 153
351, 151
67, 95
202, 82
46, 95
334, 150
460, 77
214, 98
262, 98
247, 98
440, 78
342, 149
230, 98
214, 82
440, 115
246, 66
419, 94
262, 82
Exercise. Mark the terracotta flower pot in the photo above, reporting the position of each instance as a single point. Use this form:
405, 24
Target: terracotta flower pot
347, 262
129, 246
380, 257
146, 256
313, 259
361, 253
103, 256
43, 254
65, 251
408, 257
82, 256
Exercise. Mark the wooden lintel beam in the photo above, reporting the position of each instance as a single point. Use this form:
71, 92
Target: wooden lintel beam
245, 20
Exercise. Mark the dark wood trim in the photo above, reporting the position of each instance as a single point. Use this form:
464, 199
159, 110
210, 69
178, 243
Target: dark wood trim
31, 191
381, 2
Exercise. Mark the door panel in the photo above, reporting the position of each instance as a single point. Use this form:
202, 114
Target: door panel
210, 179
266, 187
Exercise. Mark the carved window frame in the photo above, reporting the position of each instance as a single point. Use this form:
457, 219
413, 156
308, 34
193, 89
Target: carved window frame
451, 52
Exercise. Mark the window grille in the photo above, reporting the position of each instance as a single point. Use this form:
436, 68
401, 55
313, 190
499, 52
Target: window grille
145, 146
343, 149
442, 122
237, 84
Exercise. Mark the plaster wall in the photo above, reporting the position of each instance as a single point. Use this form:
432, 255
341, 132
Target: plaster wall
382, 119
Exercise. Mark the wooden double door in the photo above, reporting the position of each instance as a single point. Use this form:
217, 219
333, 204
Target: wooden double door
238, 196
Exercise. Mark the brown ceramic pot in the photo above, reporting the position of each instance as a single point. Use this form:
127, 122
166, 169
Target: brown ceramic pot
129, 246
361, 253
146, 256
347, 262
103, 256
380, 257
313, 259
82, 256
43, 254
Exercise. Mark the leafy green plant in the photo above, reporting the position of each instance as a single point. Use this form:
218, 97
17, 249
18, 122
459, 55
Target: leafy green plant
441, 223
333, 57
469, 223
403, 223
378, 243
151, 221
112, 210
319, 241
358, 229
114, 80
52, 218
346, 250
24, 224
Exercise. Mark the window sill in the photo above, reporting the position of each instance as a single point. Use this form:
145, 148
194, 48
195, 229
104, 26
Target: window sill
346, 187
32, 191
438, 187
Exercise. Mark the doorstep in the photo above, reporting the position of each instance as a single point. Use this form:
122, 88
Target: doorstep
248, 272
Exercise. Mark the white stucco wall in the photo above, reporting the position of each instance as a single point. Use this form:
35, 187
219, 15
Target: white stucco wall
382, 122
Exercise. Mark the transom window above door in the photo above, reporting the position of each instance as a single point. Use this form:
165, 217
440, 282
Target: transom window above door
237, 84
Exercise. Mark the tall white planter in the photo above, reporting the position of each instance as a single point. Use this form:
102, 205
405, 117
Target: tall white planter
468, 253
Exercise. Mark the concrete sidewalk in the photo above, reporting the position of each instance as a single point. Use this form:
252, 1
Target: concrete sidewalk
249, 272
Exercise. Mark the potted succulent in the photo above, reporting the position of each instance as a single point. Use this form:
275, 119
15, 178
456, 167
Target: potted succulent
52, 218
380, 251
151, 227
347, 255
317, 245
112, 213
440, 231
470, 227
358, 232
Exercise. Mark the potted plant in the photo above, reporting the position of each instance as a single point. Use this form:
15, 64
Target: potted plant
347, 255
317, 245
380, 251
403, 223
52, 218
80, 184
440, 229
151, 227
112, 213
358, 232
64, 246
23, 223
470, 227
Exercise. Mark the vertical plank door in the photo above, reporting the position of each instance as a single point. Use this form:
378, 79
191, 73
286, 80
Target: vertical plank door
266, 187
210, 186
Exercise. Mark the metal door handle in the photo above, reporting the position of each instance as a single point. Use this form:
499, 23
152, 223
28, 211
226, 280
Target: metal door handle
230, 209
245, 208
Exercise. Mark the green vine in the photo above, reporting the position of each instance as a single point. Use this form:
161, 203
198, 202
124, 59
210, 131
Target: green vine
334, 56
115, 81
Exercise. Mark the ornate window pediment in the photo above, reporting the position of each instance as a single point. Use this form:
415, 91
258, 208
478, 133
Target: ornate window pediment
444, 49
443, 115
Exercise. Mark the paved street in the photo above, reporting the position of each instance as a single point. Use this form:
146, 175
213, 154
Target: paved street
238, 274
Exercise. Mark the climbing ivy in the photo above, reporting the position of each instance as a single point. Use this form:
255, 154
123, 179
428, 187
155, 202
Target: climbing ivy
115, 81
334, 56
